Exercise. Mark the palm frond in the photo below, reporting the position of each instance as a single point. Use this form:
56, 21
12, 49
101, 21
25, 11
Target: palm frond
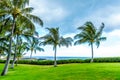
97, 43
40, 49
81, 41
54, 32
77, 36
20, 3
27, 10
102, 38
100, 30
35, 19
27, 23
47, 42
65, 41
5, 4
36, 34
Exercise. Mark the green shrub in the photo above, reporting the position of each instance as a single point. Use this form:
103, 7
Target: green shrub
2, 61
46, 62
70, 61
105, 59
36, 62
87, 60
51, 62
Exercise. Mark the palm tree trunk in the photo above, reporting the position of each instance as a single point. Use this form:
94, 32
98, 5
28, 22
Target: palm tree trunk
14, 58
15, 54
17, 61
92, 52
55, 62
5, 70
31, 55
0, 56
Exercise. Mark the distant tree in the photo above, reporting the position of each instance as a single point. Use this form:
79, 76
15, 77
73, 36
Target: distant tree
54, 38
33, 46
89, 34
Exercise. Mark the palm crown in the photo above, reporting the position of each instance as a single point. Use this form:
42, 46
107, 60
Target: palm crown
89, 34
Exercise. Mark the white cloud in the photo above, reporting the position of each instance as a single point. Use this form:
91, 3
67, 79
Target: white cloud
115, 33
110, 15
113, 20
109, 51
48, 10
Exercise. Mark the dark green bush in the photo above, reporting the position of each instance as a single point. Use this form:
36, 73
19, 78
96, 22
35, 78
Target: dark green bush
51, 62
45, 62
107, 59
2, 61
87, 60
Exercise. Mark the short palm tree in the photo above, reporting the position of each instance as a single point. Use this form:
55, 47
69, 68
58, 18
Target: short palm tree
54, 38
21, 48
89, 34
16, 10
33, 46
22, 31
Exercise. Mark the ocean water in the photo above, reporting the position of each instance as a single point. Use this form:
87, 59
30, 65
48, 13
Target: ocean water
58, 58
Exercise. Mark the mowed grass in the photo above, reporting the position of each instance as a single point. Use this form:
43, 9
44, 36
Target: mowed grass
84, 71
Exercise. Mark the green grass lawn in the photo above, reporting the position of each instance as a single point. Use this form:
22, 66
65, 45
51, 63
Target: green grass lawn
85, 71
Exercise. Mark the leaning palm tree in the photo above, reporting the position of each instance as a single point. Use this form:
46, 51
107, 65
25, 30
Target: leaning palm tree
89, 34
16, 10
54, 38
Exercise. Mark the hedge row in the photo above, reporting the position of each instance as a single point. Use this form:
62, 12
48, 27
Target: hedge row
50, 62
106, 59
46, 62
109, 59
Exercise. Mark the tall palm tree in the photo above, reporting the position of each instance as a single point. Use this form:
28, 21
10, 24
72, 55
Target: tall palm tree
89, 34
33, 46
17, 10
54, 38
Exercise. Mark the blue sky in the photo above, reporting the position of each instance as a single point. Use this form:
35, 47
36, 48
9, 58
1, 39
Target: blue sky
70, 14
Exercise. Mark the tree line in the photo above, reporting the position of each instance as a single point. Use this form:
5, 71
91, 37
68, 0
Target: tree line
18, 33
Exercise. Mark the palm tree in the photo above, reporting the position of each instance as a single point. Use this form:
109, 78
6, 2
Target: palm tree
16, 10
22, 31
89, 34
33, 46
21, 48
54, 38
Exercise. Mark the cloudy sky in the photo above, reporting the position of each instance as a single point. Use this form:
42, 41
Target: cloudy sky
70, 14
